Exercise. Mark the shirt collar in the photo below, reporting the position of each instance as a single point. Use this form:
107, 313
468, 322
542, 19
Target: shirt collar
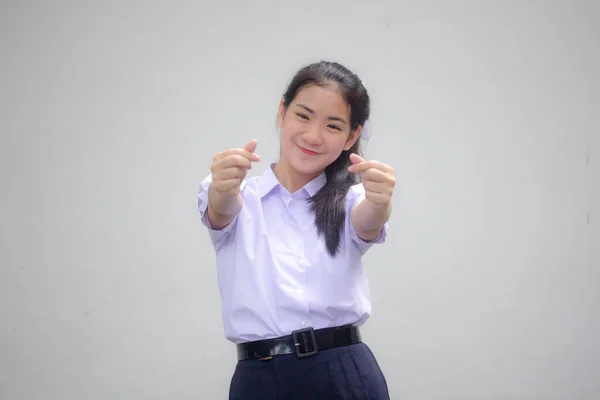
269, 181
316, 184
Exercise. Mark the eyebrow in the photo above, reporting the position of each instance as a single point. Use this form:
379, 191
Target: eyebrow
332, 118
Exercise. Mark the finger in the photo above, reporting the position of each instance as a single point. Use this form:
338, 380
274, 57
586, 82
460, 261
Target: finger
251, 146
377, 187
376, 175
230, 173
241, 152
235, 160
363, 166
355, 158
378, 198
227, 185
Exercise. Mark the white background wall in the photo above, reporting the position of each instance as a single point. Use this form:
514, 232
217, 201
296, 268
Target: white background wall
110, 112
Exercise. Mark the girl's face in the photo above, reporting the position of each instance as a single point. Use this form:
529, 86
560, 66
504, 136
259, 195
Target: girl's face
315, 128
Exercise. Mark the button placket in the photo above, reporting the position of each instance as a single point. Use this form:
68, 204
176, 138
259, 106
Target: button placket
297, 208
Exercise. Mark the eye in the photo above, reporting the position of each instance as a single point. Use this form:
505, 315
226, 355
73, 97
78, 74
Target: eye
303, 116
334, 127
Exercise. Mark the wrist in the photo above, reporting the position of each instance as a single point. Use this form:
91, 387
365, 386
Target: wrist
223, 204
379, 207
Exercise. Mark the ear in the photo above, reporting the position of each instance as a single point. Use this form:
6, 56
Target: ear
353, 137
280, 114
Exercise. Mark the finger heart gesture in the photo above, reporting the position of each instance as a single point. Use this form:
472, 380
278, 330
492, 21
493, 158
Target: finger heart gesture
378, 179
229, 168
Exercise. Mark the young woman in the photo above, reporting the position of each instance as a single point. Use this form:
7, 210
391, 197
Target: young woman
289, 245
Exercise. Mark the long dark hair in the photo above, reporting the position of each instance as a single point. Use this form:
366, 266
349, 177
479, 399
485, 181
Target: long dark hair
329, 203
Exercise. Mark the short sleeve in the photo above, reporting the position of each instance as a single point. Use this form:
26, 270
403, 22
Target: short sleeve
356, 195
216, 236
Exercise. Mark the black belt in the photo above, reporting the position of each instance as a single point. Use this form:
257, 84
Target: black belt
303, 342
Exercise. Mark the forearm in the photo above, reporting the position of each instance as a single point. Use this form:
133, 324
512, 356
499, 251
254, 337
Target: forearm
368, 219
222, 208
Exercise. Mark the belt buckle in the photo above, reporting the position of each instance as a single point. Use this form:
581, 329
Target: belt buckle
304, 347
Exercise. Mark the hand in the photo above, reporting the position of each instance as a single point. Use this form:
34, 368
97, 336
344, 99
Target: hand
378, 179
229, 168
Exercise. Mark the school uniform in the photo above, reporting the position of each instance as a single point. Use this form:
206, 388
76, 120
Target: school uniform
292, 310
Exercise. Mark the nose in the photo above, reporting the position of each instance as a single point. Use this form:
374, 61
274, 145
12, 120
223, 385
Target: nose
313, 136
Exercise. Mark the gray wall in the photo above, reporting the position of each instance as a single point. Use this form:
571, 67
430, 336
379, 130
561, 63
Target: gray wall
110, 114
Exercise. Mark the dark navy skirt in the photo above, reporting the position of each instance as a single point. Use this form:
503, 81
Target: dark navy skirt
347, 372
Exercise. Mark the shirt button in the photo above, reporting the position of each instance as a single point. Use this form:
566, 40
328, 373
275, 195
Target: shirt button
304, 324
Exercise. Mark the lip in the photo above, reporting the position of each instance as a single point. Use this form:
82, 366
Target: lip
309, 152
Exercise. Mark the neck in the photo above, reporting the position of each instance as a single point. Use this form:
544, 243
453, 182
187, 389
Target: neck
291, 179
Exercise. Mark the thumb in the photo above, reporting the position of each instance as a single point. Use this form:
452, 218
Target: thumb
251, 147
355, 158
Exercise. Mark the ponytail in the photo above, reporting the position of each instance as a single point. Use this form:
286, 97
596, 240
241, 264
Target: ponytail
329, 203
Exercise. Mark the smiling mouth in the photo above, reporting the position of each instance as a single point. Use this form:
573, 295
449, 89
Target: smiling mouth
309, 152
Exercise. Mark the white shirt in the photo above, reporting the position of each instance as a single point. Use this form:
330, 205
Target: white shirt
275, 274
